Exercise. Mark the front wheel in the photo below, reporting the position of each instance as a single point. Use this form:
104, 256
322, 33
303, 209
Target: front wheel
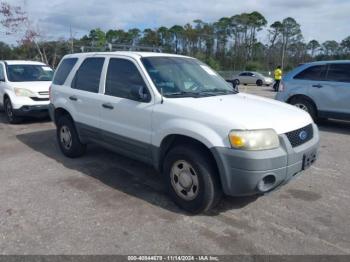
192, 179
305, 105
10, 115
68, 138
259, 82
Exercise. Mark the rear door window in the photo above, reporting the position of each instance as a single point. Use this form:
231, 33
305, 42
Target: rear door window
314, 73
64, 70
88, 75
339, 73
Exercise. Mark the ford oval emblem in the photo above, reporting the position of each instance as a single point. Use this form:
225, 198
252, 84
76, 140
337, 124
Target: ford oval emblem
303, 135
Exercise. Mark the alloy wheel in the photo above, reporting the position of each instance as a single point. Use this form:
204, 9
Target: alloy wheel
302, 107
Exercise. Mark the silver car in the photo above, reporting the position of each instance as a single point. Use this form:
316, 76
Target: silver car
320, 88
252, 78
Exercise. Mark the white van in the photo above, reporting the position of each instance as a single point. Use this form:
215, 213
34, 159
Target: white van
24, 89
177, 114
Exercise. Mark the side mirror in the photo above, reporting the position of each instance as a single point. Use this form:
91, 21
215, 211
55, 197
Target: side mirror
138, 93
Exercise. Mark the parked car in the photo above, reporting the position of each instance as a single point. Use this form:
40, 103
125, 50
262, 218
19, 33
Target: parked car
24, 89
252, 78
177, 114
320, 88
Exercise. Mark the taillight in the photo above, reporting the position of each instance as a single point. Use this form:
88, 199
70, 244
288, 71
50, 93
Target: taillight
281, 87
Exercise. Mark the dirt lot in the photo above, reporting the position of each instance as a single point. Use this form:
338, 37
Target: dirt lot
107, 204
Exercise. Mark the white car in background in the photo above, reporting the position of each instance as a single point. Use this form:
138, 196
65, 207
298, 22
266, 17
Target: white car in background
252, 78
24, 89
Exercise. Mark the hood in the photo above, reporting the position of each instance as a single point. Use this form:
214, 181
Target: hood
37, 86
244, 111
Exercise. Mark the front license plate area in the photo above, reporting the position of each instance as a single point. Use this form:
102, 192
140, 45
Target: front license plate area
309, 159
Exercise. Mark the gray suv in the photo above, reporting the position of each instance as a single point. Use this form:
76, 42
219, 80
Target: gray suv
320, 88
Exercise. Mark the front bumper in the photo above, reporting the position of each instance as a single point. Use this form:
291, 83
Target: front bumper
32, 111
245, 173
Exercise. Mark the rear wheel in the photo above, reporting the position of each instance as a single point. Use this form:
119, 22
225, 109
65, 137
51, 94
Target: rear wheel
191, 179
259, 82
10, 115
68, 138
305, 105
237, 82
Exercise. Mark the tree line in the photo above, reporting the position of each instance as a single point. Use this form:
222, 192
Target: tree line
244, 41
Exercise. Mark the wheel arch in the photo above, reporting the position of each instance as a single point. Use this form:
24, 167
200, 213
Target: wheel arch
172, 140
300, 96
59, 112
4, 97
307, 98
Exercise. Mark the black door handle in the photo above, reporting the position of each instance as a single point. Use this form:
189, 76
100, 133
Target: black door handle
108, 106
318, 86
73, 98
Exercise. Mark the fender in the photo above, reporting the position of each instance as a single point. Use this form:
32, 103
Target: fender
204, 134
10, 93
61, 102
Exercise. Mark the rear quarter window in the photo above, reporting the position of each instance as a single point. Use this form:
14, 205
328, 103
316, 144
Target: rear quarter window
64, 70
339, 73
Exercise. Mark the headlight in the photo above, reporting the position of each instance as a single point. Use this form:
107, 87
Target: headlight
254, 139
23, 92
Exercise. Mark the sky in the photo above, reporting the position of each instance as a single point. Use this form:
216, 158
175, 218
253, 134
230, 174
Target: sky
319, 19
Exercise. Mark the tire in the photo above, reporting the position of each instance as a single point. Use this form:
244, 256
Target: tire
259, 82
201, 179
305, 105
68, 138
237, 82
10, 115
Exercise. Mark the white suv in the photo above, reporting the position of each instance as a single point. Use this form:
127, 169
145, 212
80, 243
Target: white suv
177, 114
24, 89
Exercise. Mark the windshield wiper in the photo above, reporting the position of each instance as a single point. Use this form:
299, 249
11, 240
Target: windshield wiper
182, 94
217, 91
202, 93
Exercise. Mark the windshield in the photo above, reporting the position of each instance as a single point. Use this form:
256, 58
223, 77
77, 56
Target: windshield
29, 73
181, 77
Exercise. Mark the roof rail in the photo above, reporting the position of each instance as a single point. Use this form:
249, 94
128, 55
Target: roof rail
119, 47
